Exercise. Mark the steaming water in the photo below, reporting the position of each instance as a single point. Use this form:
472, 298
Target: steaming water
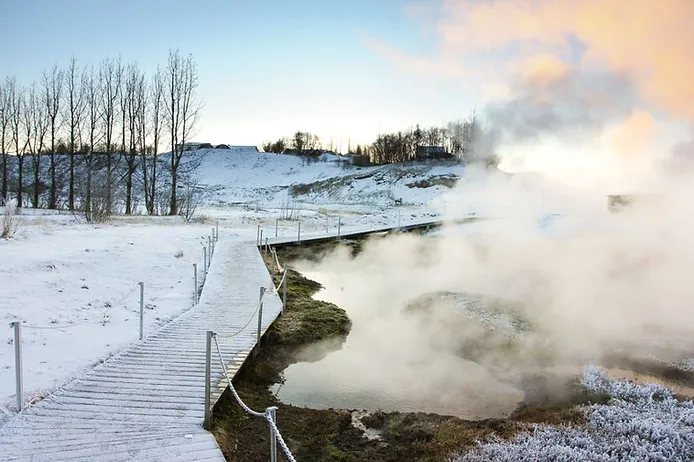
379, 368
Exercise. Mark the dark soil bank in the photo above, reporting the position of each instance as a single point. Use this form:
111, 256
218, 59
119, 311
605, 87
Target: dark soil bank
330, 435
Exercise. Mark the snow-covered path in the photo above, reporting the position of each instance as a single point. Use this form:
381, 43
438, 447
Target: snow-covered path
147, 403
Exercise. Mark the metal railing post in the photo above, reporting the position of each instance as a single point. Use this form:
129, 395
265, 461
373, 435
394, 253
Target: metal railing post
216, 236
18, 362
260, 319
204, 261
209, 250
142, 309
208, 378
298, 236
195, 283
257, 236
339, 225
273, 436
284, 288
277, 226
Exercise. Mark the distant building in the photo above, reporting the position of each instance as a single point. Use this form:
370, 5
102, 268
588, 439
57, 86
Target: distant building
359, 160
245, 148
432, 152
193, 146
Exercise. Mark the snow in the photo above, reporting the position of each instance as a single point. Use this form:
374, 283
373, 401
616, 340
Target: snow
244, 175
75, 289
640, 423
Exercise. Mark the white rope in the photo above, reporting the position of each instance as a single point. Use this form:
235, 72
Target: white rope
278, 435
231, 386
86, 321
266, 415
276, 289
257, 308
277, 260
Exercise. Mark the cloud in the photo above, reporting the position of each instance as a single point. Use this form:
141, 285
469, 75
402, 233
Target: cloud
651, 42
556, 99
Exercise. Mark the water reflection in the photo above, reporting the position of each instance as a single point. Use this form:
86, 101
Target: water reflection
393, 369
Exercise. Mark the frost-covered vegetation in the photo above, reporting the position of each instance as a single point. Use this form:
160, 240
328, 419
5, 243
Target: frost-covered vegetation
639, 423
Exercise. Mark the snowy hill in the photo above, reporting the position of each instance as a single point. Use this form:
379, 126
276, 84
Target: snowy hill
240, 175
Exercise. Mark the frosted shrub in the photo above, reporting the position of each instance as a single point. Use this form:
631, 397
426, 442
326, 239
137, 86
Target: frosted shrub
640, 423
10, 221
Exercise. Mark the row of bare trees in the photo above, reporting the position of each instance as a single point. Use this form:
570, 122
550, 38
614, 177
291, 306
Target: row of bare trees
89, 138
463, 139
300, 141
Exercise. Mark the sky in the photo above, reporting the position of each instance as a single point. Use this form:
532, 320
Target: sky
583, 90
267, 68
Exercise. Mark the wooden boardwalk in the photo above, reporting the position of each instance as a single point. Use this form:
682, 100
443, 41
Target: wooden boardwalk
147, 403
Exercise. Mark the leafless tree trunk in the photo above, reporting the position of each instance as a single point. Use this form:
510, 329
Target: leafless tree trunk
4, 137
91, 87
149, 173
73, 114
36, 123
53, 87
182, 111
15, 103
111, 73
133, 94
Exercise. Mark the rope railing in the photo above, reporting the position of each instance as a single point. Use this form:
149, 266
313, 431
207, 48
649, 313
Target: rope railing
257, 308
267, 415
276, 288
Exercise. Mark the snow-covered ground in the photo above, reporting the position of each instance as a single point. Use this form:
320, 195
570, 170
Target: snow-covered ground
75, 289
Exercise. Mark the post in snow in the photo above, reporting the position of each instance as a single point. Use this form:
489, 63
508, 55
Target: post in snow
142, 309
277, 226
298, 236
17, 325
260, 319
208, 374
195, 284
339, 225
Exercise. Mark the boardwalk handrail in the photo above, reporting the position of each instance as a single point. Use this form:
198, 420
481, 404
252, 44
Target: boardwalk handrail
267, 415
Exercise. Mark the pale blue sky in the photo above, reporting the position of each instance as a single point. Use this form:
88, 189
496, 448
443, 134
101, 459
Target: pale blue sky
267, 67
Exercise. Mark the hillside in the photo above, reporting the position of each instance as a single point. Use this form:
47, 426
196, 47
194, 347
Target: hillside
242, 175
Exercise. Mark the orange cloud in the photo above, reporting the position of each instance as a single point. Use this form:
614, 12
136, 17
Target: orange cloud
652, 40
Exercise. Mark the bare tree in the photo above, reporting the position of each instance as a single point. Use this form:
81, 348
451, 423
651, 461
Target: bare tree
110, 75
91, 84
149, 166
74, 110
36, 121
4, 139
53, 88
132, 109
182, 111
15, 105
